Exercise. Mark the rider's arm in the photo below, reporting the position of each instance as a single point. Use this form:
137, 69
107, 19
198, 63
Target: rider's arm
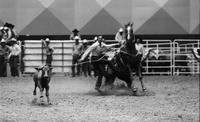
87, 52
109, 45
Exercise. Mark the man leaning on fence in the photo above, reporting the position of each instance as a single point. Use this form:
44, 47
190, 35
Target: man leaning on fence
13, 57
76, 52
49, 51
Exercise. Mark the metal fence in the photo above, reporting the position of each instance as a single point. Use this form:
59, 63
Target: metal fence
183, 60
174, 58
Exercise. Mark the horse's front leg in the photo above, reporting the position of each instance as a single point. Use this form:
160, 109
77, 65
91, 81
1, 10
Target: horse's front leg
131, 84
140, 76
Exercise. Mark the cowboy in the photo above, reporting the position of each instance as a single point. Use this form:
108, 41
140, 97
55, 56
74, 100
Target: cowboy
119, 37
98, 50
75, 33
49, 51
13, 57
76, 52
4, 50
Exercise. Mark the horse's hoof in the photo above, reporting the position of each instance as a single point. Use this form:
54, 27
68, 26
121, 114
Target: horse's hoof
144, 90
98, 89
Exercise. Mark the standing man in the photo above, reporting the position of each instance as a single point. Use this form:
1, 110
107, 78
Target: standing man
49, 52
4, 50
139, 47
76, 52
75, 33
13, 57
98, 50
86, 66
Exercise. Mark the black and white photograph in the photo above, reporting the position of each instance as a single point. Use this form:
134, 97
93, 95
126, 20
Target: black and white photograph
99, 60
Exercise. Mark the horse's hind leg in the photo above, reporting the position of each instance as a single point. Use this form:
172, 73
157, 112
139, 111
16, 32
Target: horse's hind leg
130, 82
47, 94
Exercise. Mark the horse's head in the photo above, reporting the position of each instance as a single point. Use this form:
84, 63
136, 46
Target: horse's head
44, 71
129, 31
129, 37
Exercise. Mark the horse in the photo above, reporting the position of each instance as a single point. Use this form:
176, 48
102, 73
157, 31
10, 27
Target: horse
42, 77
125, 62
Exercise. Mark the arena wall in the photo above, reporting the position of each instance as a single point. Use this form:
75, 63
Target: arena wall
59, 17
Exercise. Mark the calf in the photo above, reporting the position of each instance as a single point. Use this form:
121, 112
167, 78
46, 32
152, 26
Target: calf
42, 78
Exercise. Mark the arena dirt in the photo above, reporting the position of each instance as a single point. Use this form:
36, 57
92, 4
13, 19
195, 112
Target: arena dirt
74, 99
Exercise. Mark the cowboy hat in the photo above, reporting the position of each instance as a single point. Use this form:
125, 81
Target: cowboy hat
75, 30
76, 37
47, 40
9, 25
121, 30
85, 41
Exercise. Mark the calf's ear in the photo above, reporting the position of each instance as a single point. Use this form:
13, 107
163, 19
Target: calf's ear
37, 68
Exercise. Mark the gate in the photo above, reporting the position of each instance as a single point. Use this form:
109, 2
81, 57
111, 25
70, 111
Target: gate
162, 64
183, 60
34, 55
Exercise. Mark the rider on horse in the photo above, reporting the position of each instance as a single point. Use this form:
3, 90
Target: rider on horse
98, 49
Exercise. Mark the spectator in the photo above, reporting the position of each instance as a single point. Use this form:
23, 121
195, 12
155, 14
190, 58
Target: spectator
75, 33
49, 51
98, 49
13, 57
139, 47
10, 31
119, 37
86, 66
4, 50
76, 52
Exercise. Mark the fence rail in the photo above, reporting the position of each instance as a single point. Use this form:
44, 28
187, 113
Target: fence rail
175, 57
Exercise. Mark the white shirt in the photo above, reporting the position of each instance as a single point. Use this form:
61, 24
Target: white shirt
96, 49
15, 50
139, 48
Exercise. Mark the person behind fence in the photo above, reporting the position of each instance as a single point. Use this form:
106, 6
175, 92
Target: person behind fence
85, 66
119, 37
49, 52
13, 57
139, 47
76, 52
4, 50
196, 53
75, 33
98, 50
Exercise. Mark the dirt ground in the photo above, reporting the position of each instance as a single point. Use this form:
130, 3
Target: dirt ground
168, 98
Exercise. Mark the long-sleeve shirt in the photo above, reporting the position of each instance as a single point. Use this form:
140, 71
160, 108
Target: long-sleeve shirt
139, 48
97, 49
15, 50
120, 38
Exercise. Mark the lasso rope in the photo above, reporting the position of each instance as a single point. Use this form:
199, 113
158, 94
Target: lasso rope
91, 61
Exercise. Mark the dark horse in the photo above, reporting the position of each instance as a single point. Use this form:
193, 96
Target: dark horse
125, 62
